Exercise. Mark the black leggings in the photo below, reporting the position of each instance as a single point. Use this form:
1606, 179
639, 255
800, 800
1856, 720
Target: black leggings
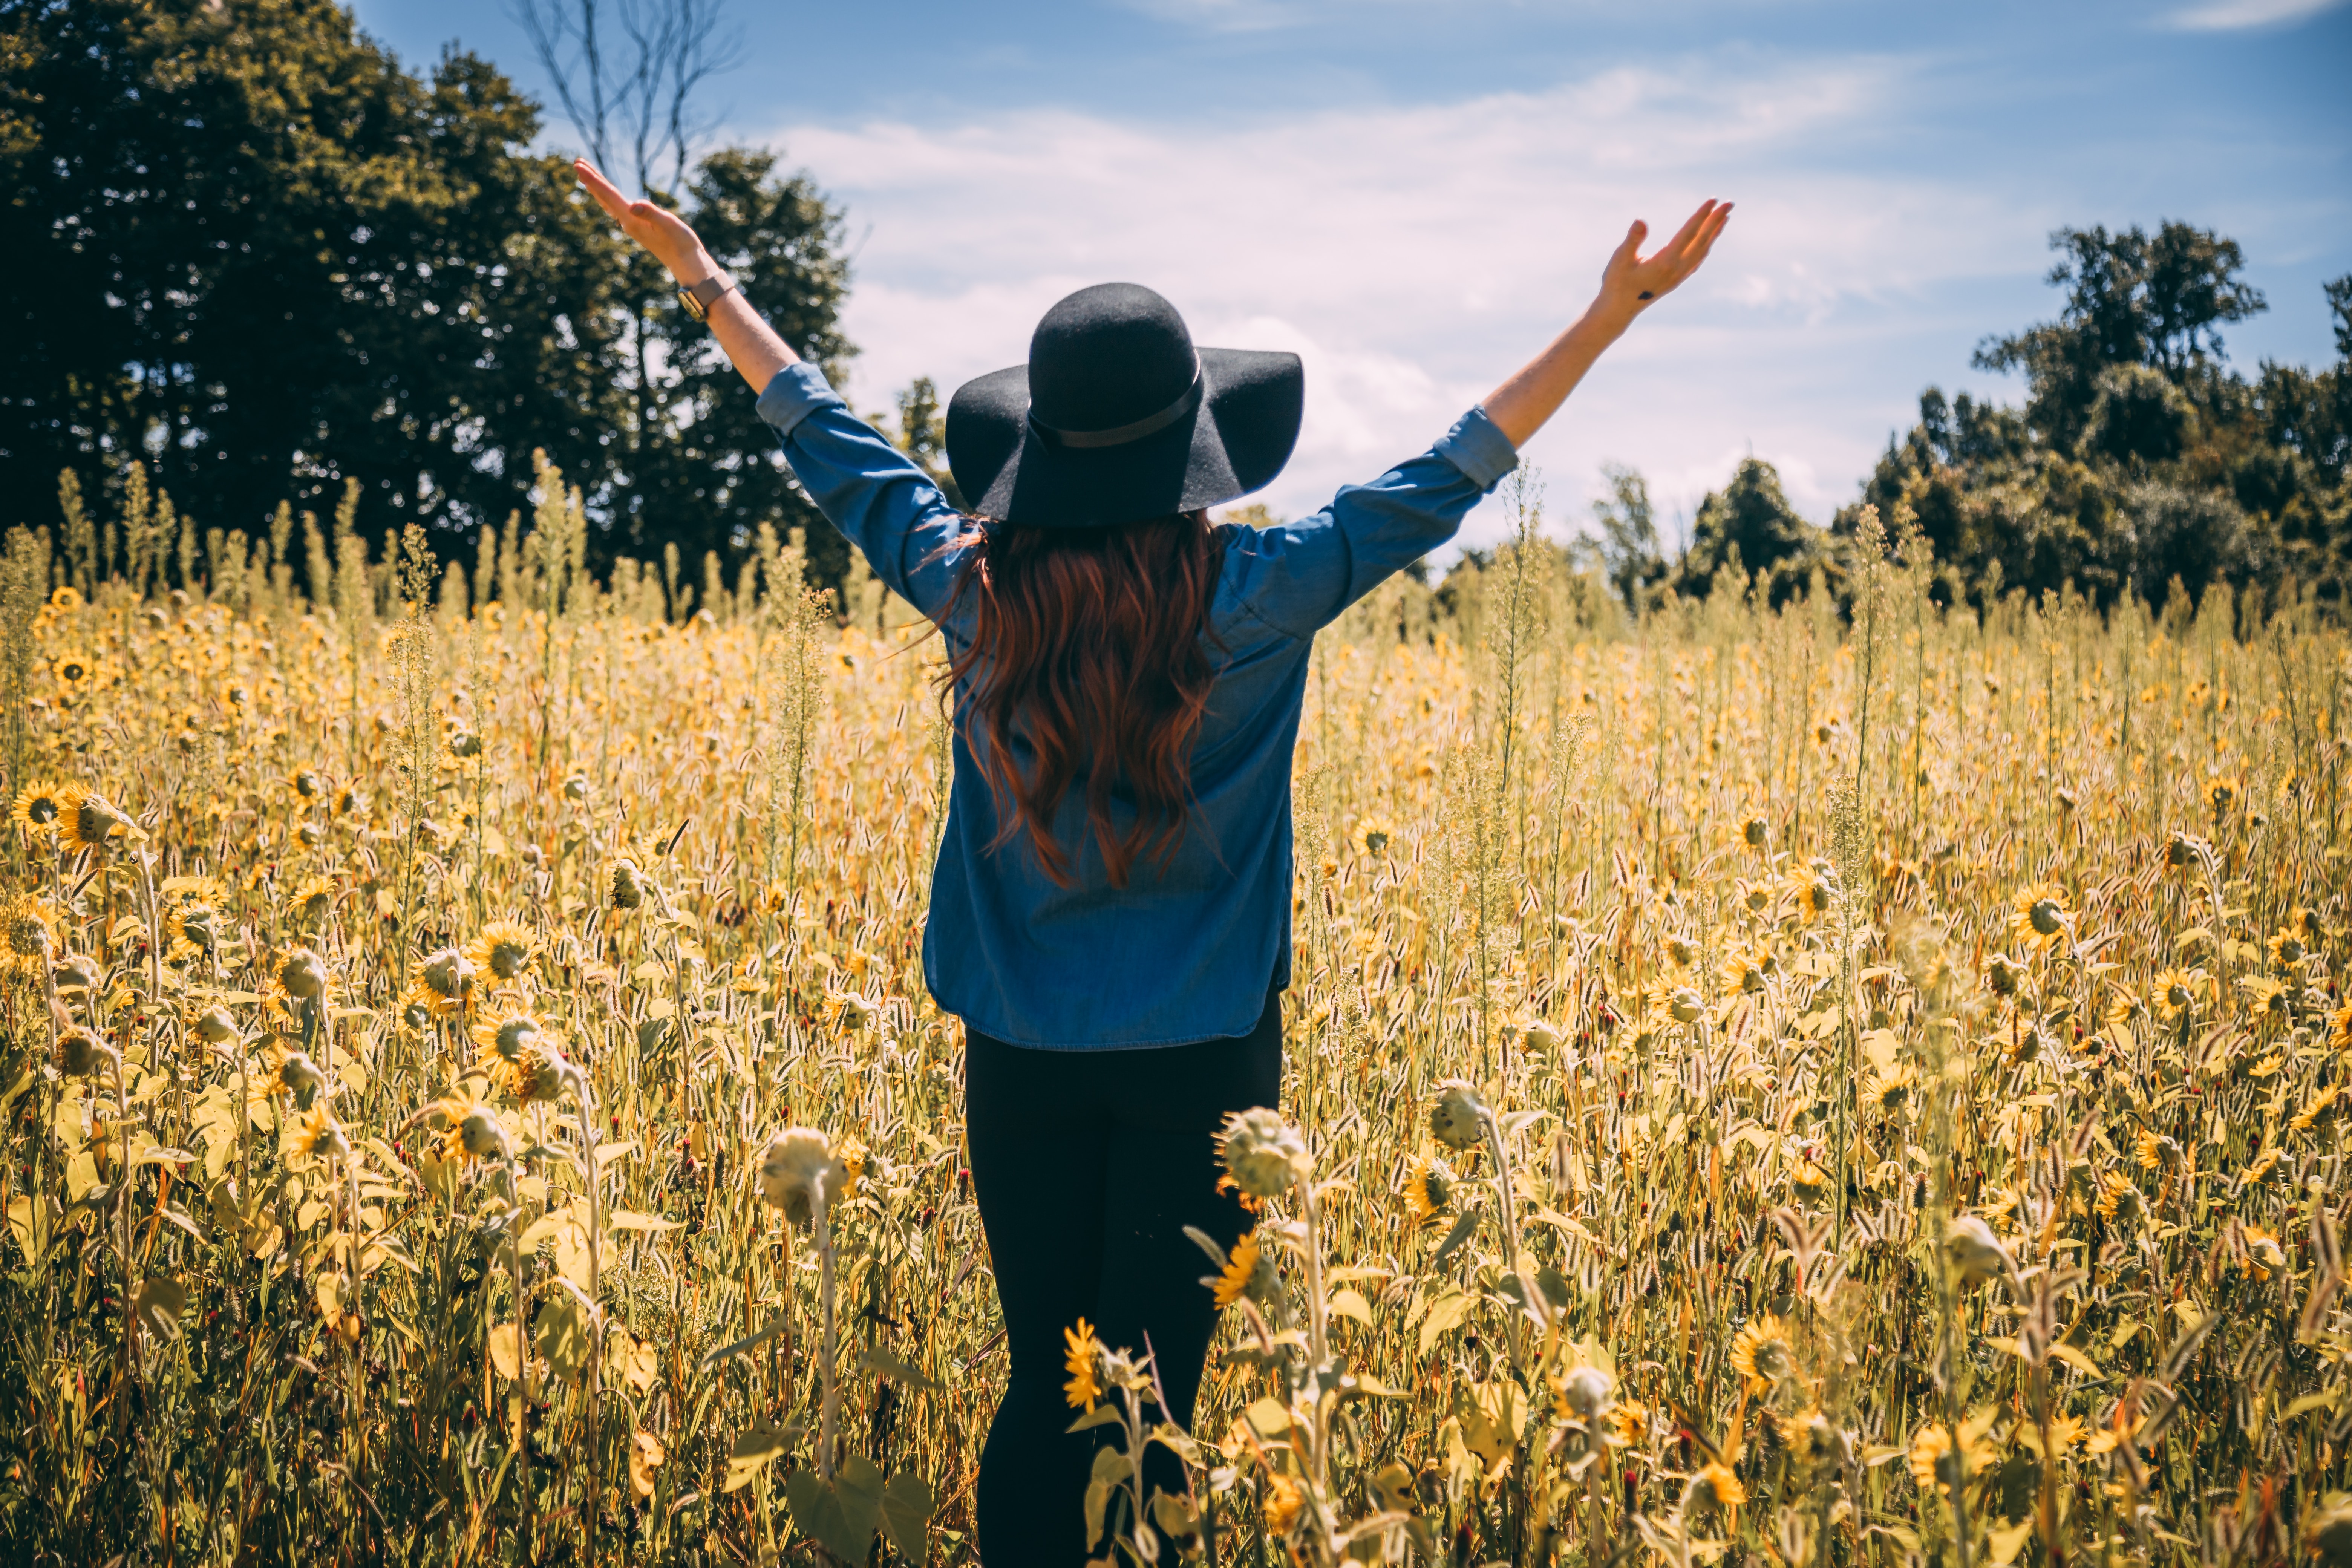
1088, 1166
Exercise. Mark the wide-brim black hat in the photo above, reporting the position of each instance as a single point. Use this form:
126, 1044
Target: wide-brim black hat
1117, 418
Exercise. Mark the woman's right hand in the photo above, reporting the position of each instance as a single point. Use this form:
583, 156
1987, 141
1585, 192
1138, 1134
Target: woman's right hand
657, 228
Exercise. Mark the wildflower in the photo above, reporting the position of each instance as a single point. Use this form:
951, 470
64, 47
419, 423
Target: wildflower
1811, 888
474, 1132
1753, 832
2266, 998
2339, 1028
302, 974
193, 927
444, 983
1761, 1352
2219, 796
1973, 1251
628, 888
319, 1136
214, 1025
1742, 971
1934, 1464
2042, 916
25, 930
503, 949
1428, 1188
1809, 1180
1681, 952
1249, 1271
2177, 990
2321, 1110
2287, 947
2003, 977
1286, 1500
38, 808
1373, 835
1714, 1487
311, 901
1629, 1423
87, 819
2149, 1147
539, 1072
66, 597
1083, 1360
1582, 1394
297, 1075
1684, 1005
1458, 1116
1262, 1153
2120, 1203
81, 1054
799, 1171
2181, 852
508, 1035
307, 784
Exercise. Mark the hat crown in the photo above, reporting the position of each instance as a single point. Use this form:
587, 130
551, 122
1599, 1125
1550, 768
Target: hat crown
1107, 356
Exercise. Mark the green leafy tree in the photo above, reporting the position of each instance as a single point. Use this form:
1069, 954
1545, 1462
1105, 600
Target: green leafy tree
244, 244
2131, 298
1628, 544
1749, 526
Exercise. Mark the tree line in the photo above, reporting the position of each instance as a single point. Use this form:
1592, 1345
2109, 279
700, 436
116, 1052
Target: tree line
2142, 462
246, 250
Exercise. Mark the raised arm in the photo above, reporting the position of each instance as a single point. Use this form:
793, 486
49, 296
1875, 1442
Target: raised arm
750, 344
1630, 284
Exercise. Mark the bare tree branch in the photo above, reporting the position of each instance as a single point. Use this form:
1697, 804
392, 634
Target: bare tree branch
637, 96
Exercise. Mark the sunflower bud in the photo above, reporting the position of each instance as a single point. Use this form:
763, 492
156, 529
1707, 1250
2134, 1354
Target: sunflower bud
81, 1054
447, 975
303, 974
628, 885
215, 1026
1975, 1253
481, 1135
1587, 1392
1262, 1153
798, 1172
1458, 1116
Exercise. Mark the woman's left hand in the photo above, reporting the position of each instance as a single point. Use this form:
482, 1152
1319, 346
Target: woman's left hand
1632, 281
656, 228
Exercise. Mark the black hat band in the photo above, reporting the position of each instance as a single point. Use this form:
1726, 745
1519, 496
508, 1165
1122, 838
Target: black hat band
1121, 435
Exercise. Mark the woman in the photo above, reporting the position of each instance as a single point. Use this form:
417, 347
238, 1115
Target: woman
1110, 916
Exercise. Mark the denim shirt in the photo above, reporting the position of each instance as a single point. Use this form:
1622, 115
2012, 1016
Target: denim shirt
1187, 951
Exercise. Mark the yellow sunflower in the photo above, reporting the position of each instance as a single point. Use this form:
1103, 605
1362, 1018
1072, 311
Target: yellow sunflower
1240, 1272
2321, 1110
2040, 917
1761, 1352
311, 901
2177, 990
1374, 836
1428, 1188
444, 985
503, 949
1811, 889
25, 937
1715, 1487
2339, 1028
88, 819
1083, 1360
38, 808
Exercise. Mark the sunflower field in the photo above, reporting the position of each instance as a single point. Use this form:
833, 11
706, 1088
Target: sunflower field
1862, 1081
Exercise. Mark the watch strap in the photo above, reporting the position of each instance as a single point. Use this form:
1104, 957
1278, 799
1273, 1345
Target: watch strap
698, 298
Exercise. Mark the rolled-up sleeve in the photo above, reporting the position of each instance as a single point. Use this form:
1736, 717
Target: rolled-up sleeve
1298, 576
885, 505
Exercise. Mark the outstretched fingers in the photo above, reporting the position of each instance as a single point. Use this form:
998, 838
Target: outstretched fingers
608, 196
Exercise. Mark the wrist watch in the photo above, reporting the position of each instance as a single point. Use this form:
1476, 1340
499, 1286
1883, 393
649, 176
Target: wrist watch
698, 298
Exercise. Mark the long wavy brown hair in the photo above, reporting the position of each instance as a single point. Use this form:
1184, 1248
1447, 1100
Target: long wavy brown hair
1087, 658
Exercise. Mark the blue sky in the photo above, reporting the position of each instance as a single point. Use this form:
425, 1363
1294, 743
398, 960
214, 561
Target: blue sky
1415, 195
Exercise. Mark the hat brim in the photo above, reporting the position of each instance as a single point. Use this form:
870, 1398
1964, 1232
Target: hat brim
1235, 441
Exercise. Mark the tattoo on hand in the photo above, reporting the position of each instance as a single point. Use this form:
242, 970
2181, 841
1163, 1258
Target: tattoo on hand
1645, 294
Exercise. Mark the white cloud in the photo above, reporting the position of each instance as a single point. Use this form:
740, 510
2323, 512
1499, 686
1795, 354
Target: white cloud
1415, 256
2224, 16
